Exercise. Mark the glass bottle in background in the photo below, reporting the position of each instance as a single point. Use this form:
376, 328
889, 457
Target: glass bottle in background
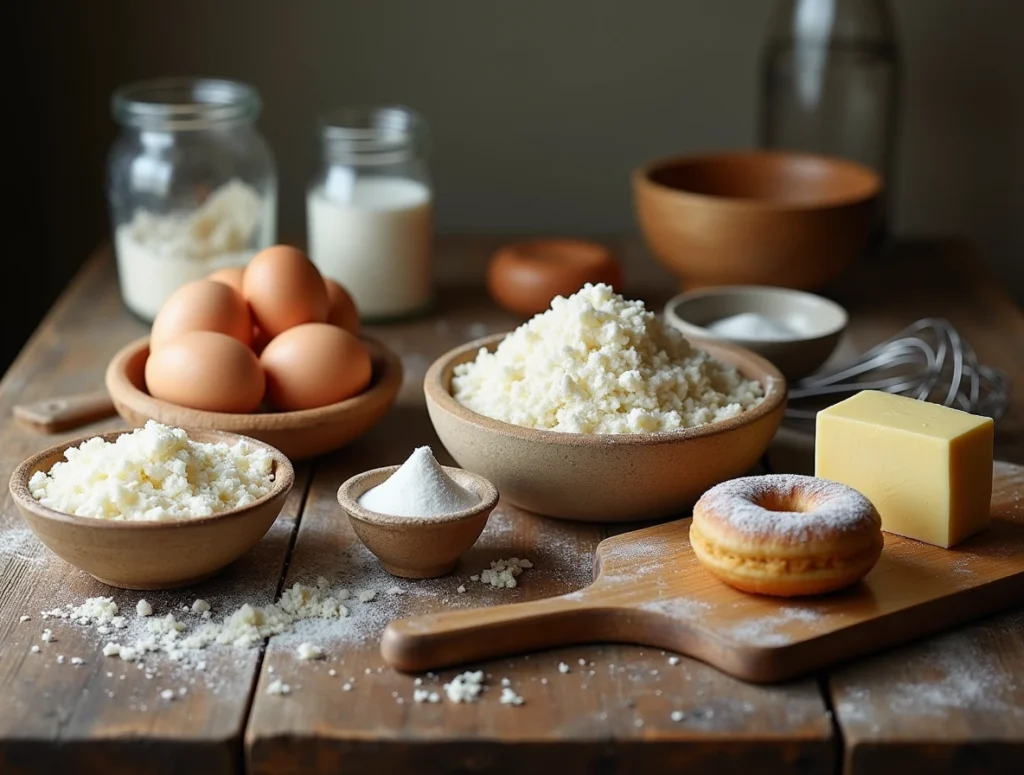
369, 210
830, 85
192, 185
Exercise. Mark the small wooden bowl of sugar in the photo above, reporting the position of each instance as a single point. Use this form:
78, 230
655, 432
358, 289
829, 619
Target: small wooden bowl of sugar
419, 518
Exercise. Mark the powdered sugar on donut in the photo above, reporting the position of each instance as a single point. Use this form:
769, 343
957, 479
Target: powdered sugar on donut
835, 508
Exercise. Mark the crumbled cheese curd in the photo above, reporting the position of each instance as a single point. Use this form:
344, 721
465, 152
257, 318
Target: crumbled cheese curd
153, 474
465, 687
309, 651
509, 697
597, 363
503, 573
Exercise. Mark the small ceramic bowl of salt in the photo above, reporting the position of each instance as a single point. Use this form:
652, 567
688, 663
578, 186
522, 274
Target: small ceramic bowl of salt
420, 517
795, 330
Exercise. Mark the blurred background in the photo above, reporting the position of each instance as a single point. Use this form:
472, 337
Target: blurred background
538, 110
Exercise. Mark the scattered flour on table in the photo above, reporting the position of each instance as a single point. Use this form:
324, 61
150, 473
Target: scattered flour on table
678, 607
765, 630
951, 673
181, 644
21, 543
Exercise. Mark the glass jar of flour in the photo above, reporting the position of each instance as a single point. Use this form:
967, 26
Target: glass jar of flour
192, 185
369, 210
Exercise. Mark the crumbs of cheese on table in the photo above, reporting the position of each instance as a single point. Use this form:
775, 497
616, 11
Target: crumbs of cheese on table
153, 474
597, 363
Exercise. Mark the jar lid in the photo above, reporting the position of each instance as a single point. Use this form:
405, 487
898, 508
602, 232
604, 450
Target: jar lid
184, 103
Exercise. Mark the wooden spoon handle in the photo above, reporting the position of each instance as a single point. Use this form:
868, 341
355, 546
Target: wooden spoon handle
439, 640
60, 414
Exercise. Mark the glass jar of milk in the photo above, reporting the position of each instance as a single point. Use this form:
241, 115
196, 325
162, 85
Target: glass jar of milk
192, 185
369, 210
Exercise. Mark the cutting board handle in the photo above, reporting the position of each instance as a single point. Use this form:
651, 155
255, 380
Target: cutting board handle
54, 415
450, 638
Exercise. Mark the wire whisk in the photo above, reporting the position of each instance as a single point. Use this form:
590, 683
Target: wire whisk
929, 360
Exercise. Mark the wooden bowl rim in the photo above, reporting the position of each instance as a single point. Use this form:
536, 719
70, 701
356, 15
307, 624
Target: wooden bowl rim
384, 385
353, 489
689, 329
284, 480
771, 379
873, 185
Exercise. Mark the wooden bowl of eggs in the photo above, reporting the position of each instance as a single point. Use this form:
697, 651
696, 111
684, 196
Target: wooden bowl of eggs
272, 352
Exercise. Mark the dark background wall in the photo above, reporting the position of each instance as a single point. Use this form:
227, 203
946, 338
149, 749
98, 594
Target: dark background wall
539, 108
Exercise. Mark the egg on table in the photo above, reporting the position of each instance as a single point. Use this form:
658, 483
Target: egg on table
206, 370
284, 289
202, 305
313, 365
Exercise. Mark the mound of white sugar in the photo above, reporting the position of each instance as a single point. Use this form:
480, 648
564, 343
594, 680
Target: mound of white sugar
597, 363
419, 488
154, 473
752, 325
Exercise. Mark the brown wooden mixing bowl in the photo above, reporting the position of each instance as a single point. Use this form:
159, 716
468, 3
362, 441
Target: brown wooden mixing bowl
756, 217
523, 277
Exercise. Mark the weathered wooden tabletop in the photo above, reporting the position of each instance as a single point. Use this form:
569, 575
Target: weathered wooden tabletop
953, 703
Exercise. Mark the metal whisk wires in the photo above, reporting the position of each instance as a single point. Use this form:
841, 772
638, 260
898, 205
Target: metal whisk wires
929, 360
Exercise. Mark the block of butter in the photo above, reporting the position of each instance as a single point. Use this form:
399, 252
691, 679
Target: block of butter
926, 468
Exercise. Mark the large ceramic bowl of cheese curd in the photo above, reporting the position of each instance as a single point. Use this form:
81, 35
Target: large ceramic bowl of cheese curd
608, 477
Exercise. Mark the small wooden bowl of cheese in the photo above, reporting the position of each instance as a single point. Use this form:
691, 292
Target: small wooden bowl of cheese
133, 553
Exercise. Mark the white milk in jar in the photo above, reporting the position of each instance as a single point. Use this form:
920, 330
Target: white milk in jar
369, 211
373, 235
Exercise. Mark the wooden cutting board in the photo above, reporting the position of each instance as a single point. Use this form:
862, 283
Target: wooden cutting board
650, 590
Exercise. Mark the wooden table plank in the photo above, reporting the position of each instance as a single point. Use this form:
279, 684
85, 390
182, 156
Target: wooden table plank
613, 715
321, 727
106, 715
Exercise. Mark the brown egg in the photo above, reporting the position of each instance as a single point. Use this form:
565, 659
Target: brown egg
284, 289
229, 275
202, 305
525, 276
206, 370
315, 364
342, 310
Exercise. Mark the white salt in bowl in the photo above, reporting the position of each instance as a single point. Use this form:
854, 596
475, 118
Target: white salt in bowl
818, 323
418, 547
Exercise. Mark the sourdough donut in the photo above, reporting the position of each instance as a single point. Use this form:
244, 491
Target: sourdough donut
786, 535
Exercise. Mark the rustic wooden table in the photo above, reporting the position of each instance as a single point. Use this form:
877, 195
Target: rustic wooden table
953, 703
